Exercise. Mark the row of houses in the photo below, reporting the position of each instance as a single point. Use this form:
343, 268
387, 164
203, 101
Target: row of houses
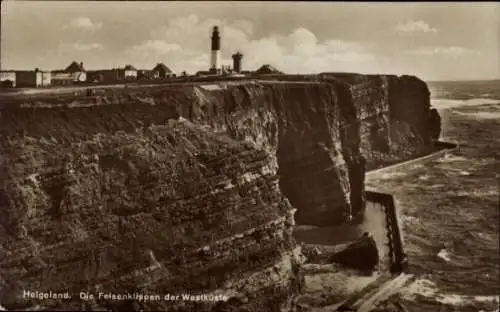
265, 69
76, 73
130, 73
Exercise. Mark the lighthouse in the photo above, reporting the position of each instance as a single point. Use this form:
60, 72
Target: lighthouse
215, 51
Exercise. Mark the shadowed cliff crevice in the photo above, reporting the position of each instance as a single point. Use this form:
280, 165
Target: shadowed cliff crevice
351, 140
313, 173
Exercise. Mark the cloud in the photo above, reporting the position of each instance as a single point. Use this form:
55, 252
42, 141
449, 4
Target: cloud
84, 23
414, 26
184, 44
152, 49
245, 26
449, 51
70, 48
87, 46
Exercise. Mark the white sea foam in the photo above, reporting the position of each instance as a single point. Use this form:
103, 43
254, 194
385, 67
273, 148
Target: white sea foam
487, 299
427, 288
434, 186
447, 103
477, 193
443, 254
211, 87
424, 177
447, 158
451, 299
422, 287
391, 175
481, 115
487, 237
410, 219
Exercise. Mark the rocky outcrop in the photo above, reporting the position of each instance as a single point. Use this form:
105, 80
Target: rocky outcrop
362, 255
172, 209
409, 102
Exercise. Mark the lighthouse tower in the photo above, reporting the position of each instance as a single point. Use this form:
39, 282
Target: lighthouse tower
215, 51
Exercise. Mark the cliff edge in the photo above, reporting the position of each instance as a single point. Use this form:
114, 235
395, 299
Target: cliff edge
189, 188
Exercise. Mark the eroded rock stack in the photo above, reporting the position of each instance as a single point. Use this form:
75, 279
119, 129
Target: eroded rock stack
409, 101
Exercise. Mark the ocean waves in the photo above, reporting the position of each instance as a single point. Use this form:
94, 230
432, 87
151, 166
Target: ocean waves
480, 115
450, 213
448, 103
428, 289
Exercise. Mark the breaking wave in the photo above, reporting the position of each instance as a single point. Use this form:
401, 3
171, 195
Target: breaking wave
447, 103
451, 158
428, 289
443, 254
480, 115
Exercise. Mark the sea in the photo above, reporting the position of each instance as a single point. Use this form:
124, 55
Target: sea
450, 206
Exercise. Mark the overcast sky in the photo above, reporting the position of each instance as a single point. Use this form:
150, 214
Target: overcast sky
436, 41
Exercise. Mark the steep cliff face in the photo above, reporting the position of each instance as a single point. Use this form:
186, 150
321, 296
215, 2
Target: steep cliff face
300, 123
94, 188
409, 102
172, 209
323, 129
396, 121
297, 122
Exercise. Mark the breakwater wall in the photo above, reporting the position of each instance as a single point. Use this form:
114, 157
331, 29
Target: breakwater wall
440, 149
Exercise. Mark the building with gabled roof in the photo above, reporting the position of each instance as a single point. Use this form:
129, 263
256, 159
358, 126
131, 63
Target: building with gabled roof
161, 71
75, 67
130, 67
129, 72
75, 72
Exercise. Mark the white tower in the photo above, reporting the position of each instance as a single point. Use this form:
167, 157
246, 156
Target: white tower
215, 51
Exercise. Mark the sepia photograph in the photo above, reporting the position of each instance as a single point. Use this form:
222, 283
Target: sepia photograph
249, 156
